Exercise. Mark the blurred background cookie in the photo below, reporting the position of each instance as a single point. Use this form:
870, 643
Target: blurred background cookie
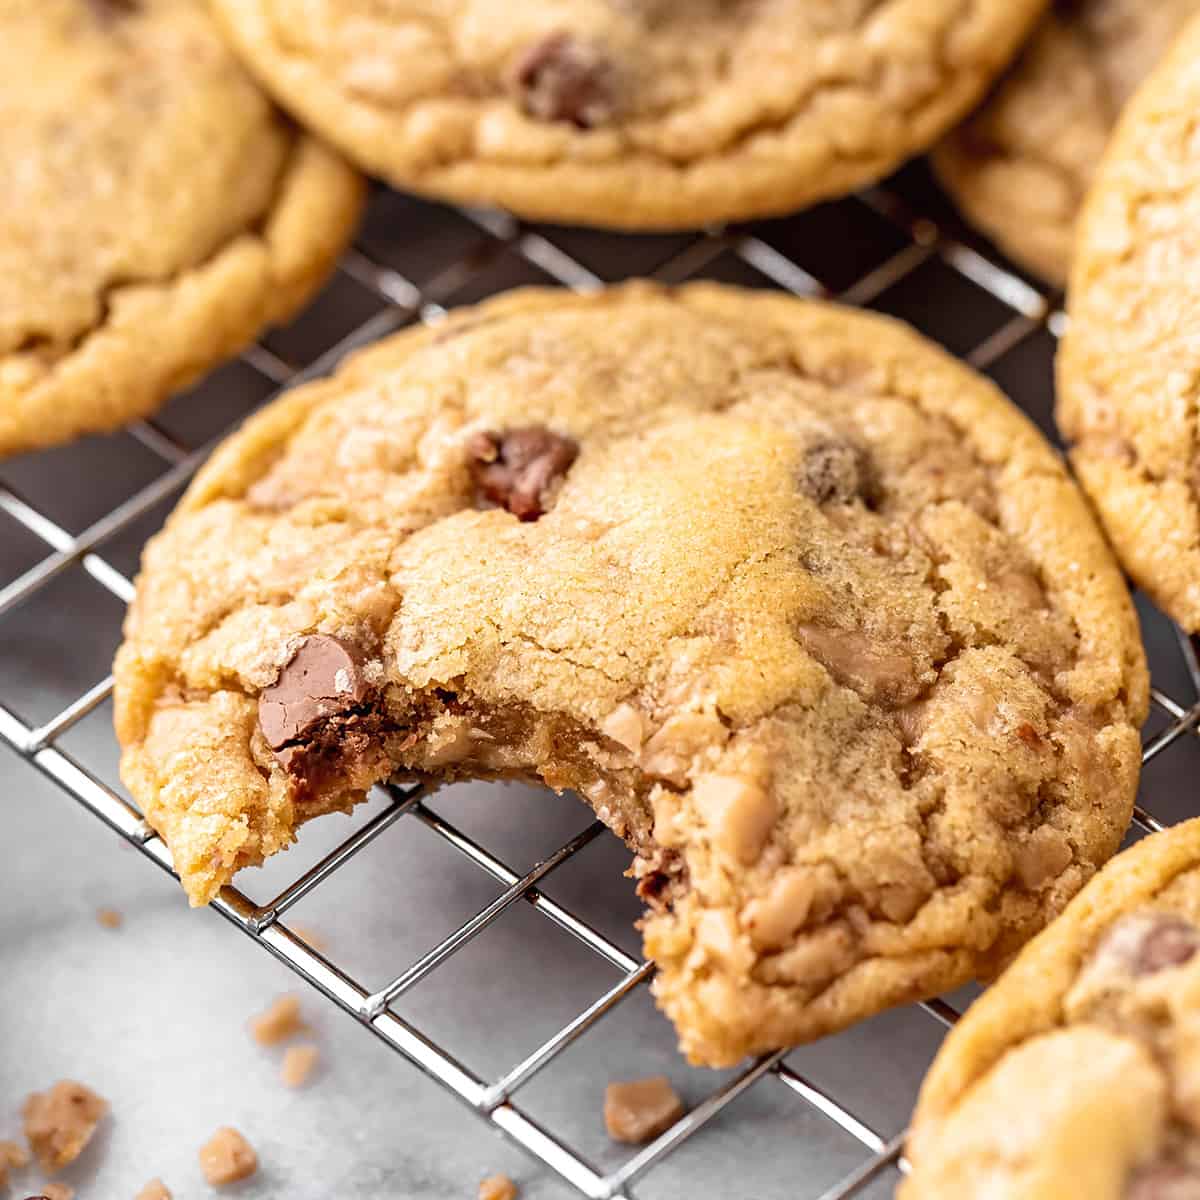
1020, 167
637, 114
1077, 1074
158, 211
1129, 365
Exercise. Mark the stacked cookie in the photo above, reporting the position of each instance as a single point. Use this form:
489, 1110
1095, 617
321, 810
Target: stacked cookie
807, 612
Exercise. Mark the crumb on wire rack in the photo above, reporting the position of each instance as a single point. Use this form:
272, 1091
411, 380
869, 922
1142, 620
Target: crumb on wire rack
640, 1109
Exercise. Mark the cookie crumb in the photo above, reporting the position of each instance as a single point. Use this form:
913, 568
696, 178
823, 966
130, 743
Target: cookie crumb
298, 1064
155, 1190
57, 1191
12, 1154
278, 1022
306, 933
227, 1157
59, 1123
640, 1109
109, 918
497, 1187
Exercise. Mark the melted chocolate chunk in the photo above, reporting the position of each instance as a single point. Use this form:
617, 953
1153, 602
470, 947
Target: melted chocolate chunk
565, 79
1143, 943
1164, 1181
661, 879
109, 10
1170, 942
319, 695
518, 468
834, 472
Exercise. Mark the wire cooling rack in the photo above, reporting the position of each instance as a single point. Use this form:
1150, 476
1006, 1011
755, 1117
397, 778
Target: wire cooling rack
895, 248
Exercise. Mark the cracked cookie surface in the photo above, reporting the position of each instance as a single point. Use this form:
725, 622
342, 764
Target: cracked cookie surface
630, 113
806, 611
158, 211
1129, 364
1078, 1072
1021, 166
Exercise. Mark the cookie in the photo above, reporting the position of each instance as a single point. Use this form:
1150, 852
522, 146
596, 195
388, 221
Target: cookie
1127, 366
1078, 1073
1021, 166
630, 114
158, 211
805, 610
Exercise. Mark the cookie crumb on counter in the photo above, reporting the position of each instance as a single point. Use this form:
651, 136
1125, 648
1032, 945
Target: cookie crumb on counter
278, 1022
60, 1122
57, 1191
640, 1109
227, 1157
109, 918
12, 1154
154, 1190
298, 1064
497, 1187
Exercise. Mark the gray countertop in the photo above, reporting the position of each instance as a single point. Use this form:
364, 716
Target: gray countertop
153, 1014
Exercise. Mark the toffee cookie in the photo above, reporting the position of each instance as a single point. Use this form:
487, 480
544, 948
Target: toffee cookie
158, 211
1128, 365
1078, 1073
1021, 166
811, 616
630, 113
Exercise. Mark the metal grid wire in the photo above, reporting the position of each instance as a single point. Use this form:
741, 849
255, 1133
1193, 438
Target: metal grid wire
894, 249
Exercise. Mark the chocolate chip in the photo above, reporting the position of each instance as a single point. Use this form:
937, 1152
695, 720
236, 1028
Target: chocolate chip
1164, 1181
323, 680
834, 471
517, 469
565, 79
1144, 943
109, 10
1170, 943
